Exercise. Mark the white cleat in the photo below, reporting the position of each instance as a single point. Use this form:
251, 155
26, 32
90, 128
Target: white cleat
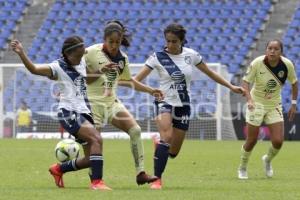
242, 173
267, 166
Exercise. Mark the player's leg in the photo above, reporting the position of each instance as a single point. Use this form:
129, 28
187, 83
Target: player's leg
123, 120
88, 133
254, 118
274, 119
161, 154
81, 127
251, 140
57, 170
181, 123
176, 142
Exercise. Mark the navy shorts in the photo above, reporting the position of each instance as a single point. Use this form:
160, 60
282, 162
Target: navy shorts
72, 121
180, 115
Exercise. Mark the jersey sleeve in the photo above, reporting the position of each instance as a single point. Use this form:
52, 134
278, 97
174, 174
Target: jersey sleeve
125, 75
292, 77
54, 66
196, 58
250, 73
151, 62
87, 58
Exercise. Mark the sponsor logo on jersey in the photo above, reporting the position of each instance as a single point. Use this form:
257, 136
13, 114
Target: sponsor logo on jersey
271, 84
79, 83
177, 77
169, 66
177, 86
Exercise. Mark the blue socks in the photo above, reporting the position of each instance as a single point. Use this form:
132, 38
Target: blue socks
161, 158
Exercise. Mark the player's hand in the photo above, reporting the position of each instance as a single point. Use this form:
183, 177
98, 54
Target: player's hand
238, 90
111, 67
16, 46
292, 112
250, 105
158, 94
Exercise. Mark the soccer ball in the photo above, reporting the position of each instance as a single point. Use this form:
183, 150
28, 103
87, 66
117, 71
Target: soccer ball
66, 149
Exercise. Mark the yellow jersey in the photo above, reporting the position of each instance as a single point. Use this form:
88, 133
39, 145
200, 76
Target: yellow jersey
268, 81
96, 58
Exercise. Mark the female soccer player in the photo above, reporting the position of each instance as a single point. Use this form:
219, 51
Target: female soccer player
174, 66
74, 112
108, 66
267, 73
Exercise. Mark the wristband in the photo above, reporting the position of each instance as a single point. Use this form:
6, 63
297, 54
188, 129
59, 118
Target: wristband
294, 102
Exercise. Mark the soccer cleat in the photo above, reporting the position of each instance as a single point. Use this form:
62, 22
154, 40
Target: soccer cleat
143, 178
156, 185
267, 166
242, 173
57, 175
99, 185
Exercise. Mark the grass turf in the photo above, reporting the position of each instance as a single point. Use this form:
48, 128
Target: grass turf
203, 170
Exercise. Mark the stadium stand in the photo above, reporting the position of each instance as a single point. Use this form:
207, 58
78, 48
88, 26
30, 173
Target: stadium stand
231, 32
218, 32
292, 43
10, 14
212, 26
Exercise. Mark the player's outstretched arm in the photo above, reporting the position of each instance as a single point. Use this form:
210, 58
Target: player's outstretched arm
219, 79
138, 86
43, 70
145, 71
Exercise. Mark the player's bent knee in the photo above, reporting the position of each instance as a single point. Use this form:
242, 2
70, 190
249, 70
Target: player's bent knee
277, 144
135, 131
173, 155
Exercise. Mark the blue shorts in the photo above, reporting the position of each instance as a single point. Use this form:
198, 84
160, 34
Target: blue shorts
72, 121
180, 115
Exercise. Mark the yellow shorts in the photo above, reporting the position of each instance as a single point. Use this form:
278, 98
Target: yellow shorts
261, 114
104, 113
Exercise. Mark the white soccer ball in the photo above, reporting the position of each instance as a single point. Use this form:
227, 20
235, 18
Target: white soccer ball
66, 149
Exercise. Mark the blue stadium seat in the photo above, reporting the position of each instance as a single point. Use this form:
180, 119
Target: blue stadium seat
211, 25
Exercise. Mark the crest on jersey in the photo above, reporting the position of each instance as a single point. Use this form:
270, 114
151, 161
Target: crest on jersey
188, 60
121, 64
177, 76
280, 74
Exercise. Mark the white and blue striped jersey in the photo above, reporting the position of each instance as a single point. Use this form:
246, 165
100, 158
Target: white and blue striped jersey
175, 72
72, 85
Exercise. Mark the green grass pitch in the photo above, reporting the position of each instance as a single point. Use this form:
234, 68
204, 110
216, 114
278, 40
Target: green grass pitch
203, 170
